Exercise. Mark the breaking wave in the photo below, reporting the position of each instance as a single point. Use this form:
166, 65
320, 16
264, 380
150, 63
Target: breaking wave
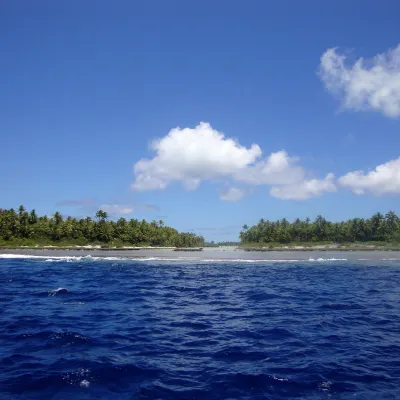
90, 258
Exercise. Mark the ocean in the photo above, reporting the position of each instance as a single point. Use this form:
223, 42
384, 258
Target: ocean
218, 325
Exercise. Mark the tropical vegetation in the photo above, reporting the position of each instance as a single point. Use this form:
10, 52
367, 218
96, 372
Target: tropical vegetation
378, 228
20, 227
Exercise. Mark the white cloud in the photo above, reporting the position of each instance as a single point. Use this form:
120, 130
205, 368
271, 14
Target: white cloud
365, 85
305, 189
385, 179
193, 155
119, 209
277, 169
232, 194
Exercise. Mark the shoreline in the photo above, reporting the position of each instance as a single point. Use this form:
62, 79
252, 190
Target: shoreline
207, 255
83, 248
317, 248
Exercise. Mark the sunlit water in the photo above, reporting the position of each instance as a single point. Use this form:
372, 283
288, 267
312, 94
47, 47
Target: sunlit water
192, 328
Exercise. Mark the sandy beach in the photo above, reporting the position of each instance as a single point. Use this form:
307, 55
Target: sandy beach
212, 253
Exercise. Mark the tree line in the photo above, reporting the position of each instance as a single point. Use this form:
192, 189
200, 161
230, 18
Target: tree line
18, 226
379, 227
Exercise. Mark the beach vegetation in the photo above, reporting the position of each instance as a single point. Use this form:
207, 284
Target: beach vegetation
378, 229
23, 228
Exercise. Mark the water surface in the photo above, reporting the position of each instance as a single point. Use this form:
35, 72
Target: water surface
200, 327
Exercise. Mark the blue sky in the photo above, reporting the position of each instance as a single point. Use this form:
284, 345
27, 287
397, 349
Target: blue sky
86, 87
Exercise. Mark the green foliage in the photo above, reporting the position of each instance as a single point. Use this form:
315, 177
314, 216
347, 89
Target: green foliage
28, 229
378, 228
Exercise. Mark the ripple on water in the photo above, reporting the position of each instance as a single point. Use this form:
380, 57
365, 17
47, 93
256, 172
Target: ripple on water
118, 329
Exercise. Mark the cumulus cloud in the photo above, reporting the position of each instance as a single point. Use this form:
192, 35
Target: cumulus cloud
277, 169
385, 179
372, 84
305, 189
232, 194
191, 155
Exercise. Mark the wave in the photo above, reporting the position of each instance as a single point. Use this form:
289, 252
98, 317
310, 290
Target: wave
60, 258
267, 329
89, 258
60, 290
20, 256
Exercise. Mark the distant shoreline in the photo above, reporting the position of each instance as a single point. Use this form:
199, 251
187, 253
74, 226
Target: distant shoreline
83, 248
316, 248
309, 246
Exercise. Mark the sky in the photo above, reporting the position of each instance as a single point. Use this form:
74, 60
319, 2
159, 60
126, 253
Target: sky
208, 115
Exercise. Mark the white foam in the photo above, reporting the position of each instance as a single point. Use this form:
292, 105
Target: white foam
59, 290
239, 260
89, 258
59, 258
211, 260
157, 259
84, 384
81, 258
20, 256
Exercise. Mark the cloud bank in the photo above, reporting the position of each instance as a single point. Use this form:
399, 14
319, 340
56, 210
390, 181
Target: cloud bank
305, 189
372, 84
194, 155
385, 179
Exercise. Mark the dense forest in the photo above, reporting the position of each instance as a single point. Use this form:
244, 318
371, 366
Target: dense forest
382, 228
23, 227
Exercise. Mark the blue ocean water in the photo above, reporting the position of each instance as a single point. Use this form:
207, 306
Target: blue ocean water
84, 328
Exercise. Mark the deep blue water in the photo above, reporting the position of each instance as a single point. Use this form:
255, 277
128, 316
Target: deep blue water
192, 330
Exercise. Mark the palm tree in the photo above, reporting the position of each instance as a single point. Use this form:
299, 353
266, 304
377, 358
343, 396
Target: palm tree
392, 220
101, 216
33, 217
58, 218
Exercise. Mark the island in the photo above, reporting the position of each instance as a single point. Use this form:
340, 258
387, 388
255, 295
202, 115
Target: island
379, 232
22, 228
25, 229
